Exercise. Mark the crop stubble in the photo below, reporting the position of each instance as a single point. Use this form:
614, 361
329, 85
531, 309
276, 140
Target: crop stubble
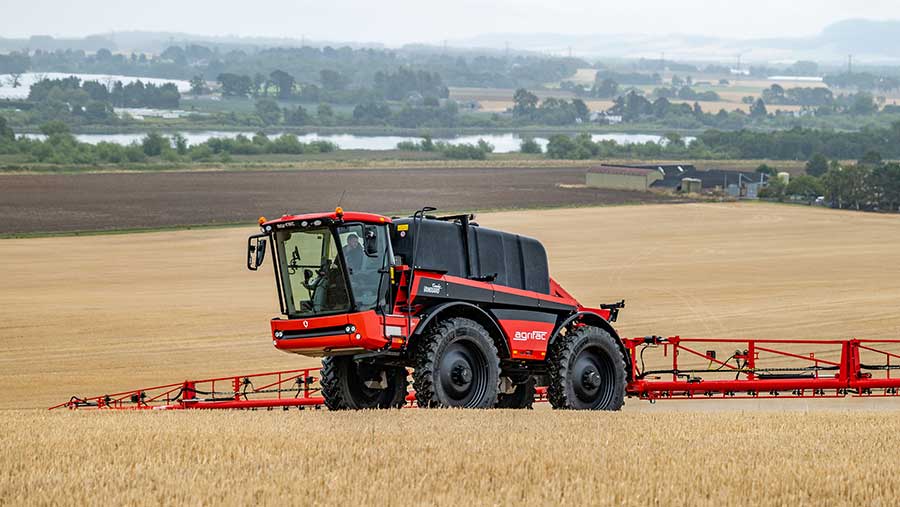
418, 457
92, 314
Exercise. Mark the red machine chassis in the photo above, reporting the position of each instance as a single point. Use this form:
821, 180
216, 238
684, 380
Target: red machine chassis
756, 369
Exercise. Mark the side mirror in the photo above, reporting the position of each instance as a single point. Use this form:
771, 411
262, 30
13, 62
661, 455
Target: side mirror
371, 240
256, 251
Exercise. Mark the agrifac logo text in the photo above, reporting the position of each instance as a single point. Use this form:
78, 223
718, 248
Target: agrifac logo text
434, 288
523, 336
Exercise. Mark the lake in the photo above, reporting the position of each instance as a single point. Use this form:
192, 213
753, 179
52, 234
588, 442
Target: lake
503, 143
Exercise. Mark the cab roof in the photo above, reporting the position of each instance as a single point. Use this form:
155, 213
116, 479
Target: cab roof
334, 216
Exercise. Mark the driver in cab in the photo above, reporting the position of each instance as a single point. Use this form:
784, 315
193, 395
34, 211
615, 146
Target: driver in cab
353, 253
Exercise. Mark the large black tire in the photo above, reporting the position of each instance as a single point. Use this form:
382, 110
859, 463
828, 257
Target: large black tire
587, 371
343, 385
456, 365
521, 397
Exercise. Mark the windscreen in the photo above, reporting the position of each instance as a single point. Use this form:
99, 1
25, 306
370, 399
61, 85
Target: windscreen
311, 273
364, 248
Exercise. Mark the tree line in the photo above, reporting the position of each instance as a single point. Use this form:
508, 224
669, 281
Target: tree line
870, 184
59, 146
528, 108
459, 151
358, 67
803, 144
332, 86
792, 144
862, 81
72, 99
134, 94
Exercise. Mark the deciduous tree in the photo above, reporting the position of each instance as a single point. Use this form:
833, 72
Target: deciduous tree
817, 165
525, 103
283, 82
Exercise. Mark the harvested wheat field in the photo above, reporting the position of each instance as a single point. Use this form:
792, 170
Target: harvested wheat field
416, 457
88, 315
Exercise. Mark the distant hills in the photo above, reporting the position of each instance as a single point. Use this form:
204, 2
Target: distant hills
157, 42
869, 41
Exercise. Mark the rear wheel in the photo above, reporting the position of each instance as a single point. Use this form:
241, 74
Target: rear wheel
348, 384
587, 371
456, 366
522, 395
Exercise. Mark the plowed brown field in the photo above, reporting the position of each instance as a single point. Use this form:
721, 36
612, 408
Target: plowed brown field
39, 203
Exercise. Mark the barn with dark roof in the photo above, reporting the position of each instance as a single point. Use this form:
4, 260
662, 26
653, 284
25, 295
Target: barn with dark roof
622, 178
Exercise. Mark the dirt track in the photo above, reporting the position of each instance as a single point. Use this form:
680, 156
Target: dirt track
77, 202
84, 315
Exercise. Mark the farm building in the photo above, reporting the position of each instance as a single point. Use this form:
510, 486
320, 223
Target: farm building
622, 178
691, 185
678, 177
673, 174
670, 174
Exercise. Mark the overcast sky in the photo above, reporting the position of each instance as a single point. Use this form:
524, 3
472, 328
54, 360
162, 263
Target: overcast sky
399, 21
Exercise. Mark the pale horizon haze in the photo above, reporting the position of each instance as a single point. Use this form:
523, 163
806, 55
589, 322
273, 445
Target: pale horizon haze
405, 21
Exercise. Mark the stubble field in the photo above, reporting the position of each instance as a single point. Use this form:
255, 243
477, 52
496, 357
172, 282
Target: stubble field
731, 95
416, 457
87, 315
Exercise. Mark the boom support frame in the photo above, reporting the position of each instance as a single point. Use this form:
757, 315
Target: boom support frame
757, 369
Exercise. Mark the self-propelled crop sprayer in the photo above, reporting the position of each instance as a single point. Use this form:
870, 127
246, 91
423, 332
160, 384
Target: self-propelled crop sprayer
475, 316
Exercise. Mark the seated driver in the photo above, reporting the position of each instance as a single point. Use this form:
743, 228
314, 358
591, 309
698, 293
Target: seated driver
353, 253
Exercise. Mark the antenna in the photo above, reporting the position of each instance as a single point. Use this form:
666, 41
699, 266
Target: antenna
341, 200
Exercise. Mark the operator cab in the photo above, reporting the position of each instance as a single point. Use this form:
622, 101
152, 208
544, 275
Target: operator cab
328, 264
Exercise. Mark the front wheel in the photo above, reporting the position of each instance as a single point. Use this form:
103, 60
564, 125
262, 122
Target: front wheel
351, 385
456, 365
587, 371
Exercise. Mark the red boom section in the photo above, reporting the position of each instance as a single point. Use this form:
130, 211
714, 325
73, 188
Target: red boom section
661, 368
685, 368
287, 388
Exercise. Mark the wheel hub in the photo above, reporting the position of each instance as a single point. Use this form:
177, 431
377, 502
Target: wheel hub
590, 378
461, 374
586, 379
